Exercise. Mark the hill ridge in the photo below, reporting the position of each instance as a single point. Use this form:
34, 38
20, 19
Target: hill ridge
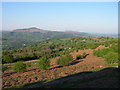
32, 29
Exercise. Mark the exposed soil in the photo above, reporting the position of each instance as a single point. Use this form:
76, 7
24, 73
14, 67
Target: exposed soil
95, 38
101, 79
34, 74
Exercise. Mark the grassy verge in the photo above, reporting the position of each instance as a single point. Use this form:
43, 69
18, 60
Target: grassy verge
113, 65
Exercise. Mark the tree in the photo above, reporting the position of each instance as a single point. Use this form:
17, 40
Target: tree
79, 57
8, 59
69, 57
64, 60
19, 67
77, 50
44, 63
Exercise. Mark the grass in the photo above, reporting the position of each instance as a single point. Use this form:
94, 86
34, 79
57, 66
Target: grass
113, 65
108, 65
97, 69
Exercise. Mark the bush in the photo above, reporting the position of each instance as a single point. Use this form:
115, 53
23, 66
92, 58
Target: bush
79, 57
77, 50
8, 59
69, 57
44, 63
97, 53
111, 57
102, 52
4, 68
19, 67
84, 54
28, 65
64, 60
109, 54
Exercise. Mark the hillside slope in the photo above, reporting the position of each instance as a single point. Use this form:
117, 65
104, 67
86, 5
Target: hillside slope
22, 37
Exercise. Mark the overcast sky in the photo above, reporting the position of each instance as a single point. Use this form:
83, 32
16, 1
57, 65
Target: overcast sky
100, 17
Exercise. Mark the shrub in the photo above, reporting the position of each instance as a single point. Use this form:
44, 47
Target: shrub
97, 53
19, 67
109, 54
4, 68
69, 57
114, 48
44, 63
64, 60
8, 59
77, 50
101, 53
111, 57
28, 65
79, 57
84, 54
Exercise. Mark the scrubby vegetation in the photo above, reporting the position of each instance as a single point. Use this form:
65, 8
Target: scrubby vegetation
78, 57
54, 48
8, 59
44, 63
64, 60
83, 55
109, 54
19, 67
11, 40
47, 55
4, 68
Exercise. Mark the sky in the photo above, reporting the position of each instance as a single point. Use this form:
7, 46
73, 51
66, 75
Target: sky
95, 17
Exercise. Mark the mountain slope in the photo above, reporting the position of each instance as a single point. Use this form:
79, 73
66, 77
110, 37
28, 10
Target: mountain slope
32, 29
21, 37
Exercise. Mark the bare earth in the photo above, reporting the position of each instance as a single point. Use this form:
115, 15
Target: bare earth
34, 74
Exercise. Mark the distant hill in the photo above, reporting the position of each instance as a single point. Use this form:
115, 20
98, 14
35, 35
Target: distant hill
32, 29
21, 37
